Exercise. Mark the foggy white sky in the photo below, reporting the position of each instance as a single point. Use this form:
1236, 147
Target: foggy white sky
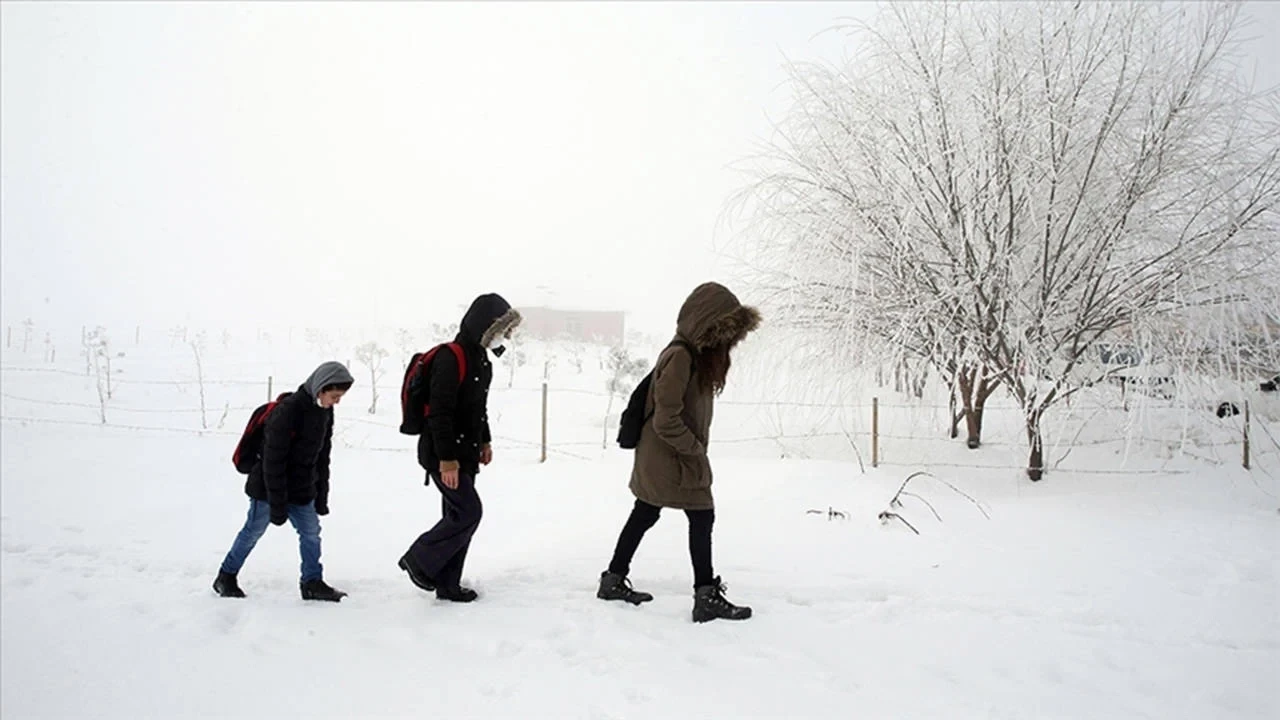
291, 163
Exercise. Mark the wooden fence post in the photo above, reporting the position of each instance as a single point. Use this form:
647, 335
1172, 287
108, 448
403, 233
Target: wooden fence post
875, 432
544, 421
1246, 434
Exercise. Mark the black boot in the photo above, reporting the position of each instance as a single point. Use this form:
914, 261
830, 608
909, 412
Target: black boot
318, 590
456, 594
617, 587
416, 576
709, 603
225, 585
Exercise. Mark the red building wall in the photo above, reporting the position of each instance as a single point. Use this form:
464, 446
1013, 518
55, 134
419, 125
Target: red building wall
607, 327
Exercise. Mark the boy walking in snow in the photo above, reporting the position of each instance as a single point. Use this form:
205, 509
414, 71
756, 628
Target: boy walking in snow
455, 443
290, 480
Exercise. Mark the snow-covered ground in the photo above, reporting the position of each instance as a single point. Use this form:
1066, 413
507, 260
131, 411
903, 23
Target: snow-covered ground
1141, 595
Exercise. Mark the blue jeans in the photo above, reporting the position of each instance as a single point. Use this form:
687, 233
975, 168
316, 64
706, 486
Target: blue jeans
305, 521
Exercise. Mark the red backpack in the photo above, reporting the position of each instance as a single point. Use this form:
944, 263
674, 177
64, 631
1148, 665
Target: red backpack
250, 446
415, 404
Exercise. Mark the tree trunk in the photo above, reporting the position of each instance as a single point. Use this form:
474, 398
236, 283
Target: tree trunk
102, 396
919, 381
972, 408
955, 416
604, 443
204, 422
973, 418
373, 385
1035, 464
975, 388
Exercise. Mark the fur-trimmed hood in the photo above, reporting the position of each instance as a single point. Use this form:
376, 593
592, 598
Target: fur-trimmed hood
490, 316
502, 326
712, 316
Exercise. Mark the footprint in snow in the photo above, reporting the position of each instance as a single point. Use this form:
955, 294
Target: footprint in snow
636, 695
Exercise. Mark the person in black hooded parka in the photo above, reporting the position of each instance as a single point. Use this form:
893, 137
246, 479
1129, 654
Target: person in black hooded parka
455, 444
289, 481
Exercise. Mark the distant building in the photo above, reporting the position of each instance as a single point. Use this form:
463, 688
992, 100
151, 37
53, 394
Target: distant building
604, 327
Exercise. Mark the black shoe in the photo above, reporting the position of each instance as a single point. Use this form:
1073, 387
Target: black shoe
617, 587
318, 590
709, 603
225, 585
456, 594
416, 576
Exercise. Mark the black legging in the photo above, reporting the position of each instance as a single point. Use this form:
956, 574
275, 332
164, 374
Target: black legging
643, 516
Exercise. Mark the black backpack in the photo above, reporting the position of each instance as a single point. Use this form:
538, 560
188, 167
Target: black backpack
634, 417
415, 404
249, 449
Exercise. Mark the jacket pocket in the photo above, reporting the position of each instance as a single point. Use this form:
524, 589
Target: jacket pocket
695, 472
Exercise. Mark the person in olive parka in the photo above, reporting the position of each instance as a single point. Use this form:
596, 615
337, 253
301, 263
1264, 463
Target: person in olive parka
290, 480
455, 444
671, 468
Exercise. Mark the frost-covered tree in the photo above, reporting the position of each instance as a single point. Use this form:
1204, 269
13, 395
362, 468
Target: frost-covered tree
407, 344
515, 358
623, 372
320, 342
97, 352
197, 345
370, 355
443, 333
998, 188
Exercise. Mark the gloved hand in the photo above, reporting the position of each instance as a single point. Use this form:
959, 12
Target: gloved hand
279, 514
322, 508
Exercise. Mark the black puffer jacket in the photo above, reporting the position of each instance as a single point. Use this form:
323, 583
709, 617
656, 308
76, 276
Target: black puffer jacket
294, 466
458, 426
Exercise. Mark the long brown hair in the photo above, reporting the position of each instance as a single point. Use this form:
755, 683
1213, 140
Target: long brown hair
712, 367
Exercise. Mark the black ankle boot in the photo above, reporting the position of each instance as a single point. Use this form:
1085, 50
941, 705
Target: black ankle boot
225, 585
318, 590
617, 587
456, 594
709, 603
416, 576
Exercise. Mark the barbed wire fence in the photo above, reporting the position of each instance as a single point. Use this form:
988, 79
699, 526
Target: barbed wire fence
892, 434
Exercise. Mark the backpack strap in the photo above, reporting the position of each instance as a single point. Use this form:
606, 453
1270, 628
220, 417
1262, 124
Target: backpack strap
458, 353
462, 360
